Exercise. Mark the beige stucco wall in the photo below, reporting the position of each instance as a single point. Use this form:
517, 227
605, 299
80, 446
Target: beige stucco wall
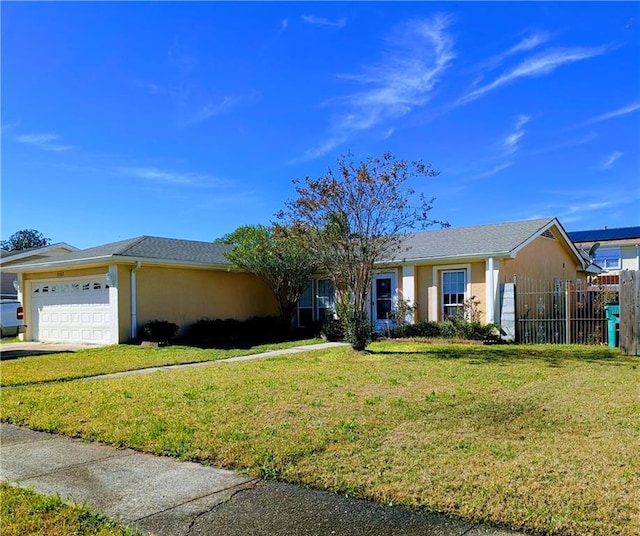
184, 296
424, 283
123, 284
543, 259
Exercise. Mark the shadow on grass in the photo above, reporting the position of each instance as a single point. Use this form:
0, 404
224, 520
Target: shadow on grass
552, 355
16, 354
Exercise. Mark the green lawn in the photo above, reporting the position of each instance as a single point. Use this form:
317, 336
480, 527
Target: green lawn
24, 512
117, 358
541, 438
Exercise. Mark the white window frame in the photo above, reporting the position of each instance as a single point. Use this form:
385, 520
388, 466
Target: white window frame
609, 259
330, 304
318, 303
436, 308
459, 305
299, 307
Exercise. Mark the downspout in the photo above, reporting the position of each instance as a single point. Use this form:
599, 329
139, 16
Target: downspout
134, 315
491, 292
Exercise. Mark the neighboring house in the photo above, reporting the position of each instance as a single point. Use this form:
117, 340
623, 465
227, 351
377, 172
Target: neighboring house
438, 271
102, 295
612, 249
9, 258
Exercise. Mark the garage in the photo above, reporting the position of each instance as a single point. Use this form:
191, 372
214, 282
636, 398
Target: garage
71, 311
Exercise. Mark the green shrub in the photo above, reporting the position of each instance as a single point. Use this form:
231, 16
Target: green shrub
452, 328
159, 331
229, 332
423, 328
475, 331
332, 330
356, 327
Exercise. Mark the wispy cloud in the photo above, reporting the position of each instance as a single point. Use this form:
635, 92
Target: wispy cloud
284, 25
568, 143
577, 211
47, 142
528, 43
420, 52
539, 65
212, 109
8, 127
320, 21
492, 171
616, 113
170, 177
571, 205
611, 160
156, 89
320, 150
511, 142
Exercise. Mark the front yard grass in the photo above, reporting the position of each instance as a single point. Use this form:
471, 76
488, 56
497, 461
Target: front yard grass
540, 438
24, 512
117, 358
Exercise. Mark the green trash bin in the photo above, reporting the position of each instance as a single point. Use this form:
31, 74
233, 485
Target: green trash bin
612, 311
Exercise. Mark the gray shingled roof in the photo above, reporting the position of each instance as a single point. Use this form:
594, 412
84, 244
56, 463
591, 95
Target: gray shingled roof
483, 240
146, 247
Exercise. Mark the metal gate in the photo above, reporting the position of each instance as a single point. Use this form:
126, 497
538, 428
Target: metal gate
561, 312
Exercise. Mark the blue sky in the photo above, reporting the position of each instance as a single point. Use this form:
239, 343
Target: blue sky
186, 120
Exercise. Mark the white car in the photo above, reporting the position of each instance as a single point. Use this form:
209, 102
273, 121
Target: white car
11, 319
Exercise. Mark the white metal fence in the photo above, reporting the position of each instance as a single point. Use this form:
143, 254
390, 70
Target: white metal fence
558, 312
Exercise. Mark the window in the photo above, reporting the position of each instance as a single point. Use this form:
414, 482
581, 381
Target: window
305, 306
453, 290
608, 258
325, 299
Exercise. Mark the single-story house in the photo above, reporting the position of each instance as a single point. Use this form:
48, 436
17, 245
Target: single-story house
612, 249
103, 294
437, 271
8, 278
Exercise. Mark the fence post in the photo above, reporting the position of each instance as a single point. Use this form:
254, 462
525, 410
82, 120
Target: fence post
630, 312
567, 311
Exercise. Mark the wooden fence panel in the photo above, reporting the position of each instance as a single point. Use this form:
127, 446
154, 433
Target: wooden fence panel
630, 312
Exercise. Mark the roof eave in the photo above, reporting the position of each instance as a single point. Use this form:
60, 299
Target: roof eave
115, 259
46, 265
36, 251
449, 258
552, 222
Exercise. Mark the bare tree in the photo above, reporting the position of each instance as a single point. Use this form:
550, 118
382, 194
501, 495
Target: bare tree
356, 218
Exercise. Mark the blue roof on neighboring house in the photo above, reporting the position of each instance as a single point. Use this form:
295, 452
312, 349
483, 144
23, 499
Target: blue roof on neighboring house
597, 235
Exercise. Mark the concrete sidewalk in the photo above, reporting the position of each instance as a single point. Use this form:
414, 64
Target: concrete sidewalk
170, 498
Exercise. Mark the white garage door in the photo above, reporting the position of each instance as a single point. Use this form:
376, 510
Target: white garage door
71, 310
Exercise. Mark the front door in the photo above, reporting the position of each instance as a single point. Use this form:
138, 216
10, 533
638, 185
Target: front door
384, 300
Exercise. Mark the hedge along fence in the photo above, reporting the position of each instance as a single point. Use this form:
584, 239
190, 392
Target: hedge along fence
455, 328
